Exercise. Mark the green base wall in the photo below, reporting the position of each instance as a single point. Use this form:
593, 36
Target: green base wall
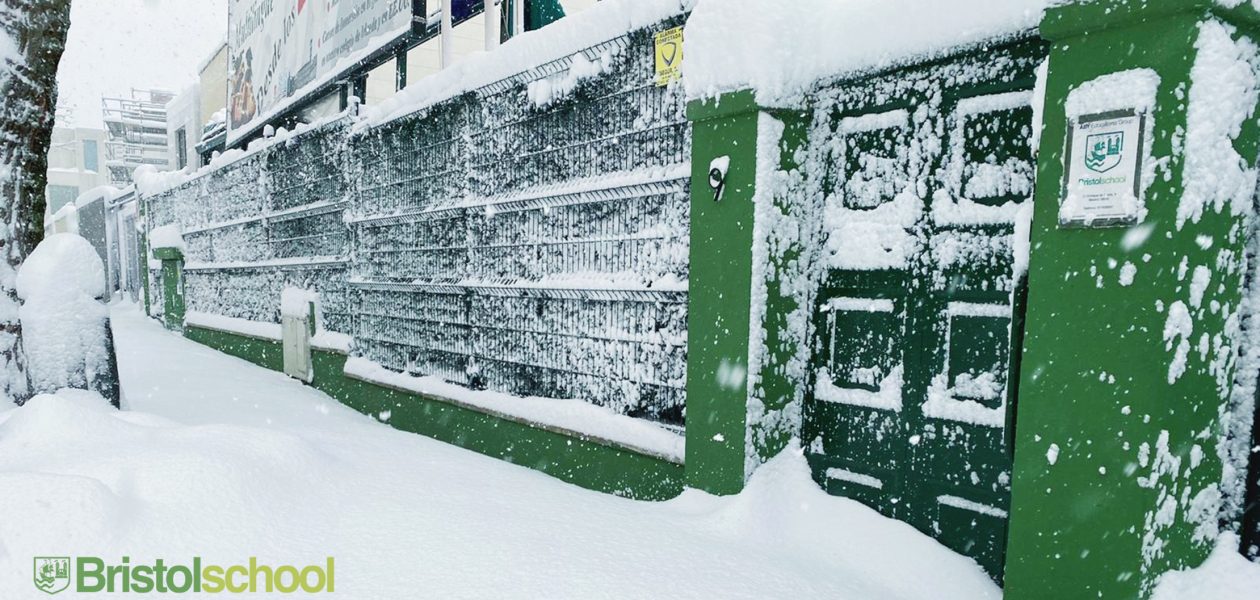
264, 353
582, 462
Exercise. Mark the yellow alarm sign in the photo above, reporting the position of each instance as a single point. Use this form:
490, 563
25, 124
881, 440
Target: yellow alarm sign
669, 55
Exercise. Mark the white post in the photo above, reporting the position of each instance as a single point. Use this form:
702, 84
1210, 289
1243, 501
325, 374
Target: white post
448, 50
492, 15
518, 17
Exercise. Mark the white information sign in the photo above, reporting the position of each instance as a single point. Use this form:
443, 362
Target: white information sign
1103, 174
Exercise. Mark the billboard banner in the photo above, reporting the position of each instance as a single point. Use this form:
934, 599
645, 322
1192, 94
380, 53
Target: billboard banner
281, 50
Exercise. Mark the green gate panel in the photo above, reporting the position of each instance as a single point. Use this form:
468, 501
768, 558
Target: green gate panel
925, 170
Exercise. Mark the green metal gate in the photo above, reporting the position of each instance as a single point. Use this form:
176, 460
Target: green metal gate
926, 169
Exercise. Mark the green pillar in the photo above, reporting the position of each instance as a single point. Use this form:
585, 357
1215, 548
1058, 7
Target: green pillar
1116, 469
738, 318
143, 247
172, 286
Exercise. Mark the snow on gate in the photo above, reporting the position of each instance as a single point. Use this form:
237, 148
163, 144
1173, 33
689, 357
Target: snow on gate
926, 172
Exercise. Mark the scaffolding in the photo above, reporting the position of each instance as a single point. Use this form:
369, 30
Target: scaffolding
136, 133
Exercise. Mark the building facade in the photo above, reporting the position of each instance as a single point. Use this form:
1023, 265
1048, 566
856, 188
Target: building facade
74, 165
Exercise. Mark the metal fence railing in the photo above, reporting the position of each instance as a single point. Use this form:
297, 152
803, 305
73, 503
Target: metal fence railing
535, 249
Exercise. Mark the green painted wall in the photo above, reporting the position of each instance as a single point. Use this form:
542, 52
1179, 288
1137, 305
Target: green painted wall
585, 463
779, 391
264, 353
1077, 525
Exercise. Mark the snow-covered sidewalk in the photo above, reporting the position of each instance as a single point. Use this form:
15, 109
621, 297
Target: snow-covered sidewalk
221, 459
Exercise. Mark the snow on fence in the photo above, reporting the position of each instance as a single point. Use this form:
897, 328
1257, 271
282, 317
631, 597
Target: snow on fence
528, 236
270, 220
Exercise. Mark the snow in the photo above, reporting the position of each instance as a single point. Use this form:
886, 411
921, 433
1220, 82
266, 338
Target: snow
858, 478
1178, 327
1133, 89
559, 41
168, 236
874, 238
959, 402
883, 305
252, 463
101, 192
969, 183
246, 327
1135, 236
1223, 94
549, 90
1199, 282
976, 507
736, 44
1225, 575
63, 319
332, 341
763, 423
296, 302
887, 397
151, 182
576, 417
1127, 272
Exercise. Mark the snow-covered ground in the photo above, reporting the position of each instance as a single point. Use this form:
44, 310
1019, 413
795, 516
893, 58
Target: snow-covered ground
224, 460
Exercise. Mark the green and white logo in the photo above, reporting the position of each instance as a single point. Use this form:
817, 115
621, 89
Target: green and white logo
1104, 151
52, 573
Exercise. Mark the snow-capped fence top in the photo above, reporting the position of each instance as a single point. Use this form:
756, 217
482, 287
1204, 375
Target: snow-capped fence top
737, 44
524, 53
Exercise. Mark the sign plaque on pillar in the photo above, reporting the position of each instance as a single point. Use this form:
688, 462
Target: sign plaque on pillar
1102, 179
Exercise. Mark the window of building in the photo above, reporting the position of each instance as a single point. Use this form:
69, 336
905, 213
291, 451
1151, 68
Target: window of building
91, 159
61, 195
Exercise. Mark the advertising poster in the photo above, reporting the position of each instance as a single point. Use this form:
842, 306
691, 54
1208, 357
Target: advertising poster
279, 50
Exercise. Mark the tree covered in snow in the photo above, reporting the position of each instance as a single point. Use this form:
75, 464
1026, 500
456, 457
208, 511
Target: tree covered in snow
34, 35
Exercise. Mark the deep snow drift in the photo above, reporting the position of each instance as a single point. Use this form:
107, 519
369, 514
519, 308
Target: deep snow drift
224, 460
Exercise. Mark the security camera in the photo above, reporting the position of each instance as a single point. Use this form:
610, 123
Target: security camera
718, 168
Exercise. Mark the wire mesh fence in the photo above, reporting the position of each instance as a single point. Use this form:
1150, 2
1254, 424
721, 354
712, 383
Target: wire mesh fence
499, 240
270, 220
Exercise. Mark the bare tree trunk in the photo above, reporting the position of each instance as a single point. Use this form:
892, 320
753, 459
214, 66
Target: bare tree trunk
31, 43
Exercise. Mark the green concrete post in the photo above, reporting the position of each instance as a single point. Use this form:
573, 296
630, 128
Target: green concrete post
1104, 441
143, 248
172, 286
737, 314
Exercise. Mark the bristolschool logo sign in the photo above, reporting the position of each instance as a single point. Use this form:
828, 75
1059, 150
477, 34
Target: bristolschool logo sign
52, 573
93, 574
1104, 151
